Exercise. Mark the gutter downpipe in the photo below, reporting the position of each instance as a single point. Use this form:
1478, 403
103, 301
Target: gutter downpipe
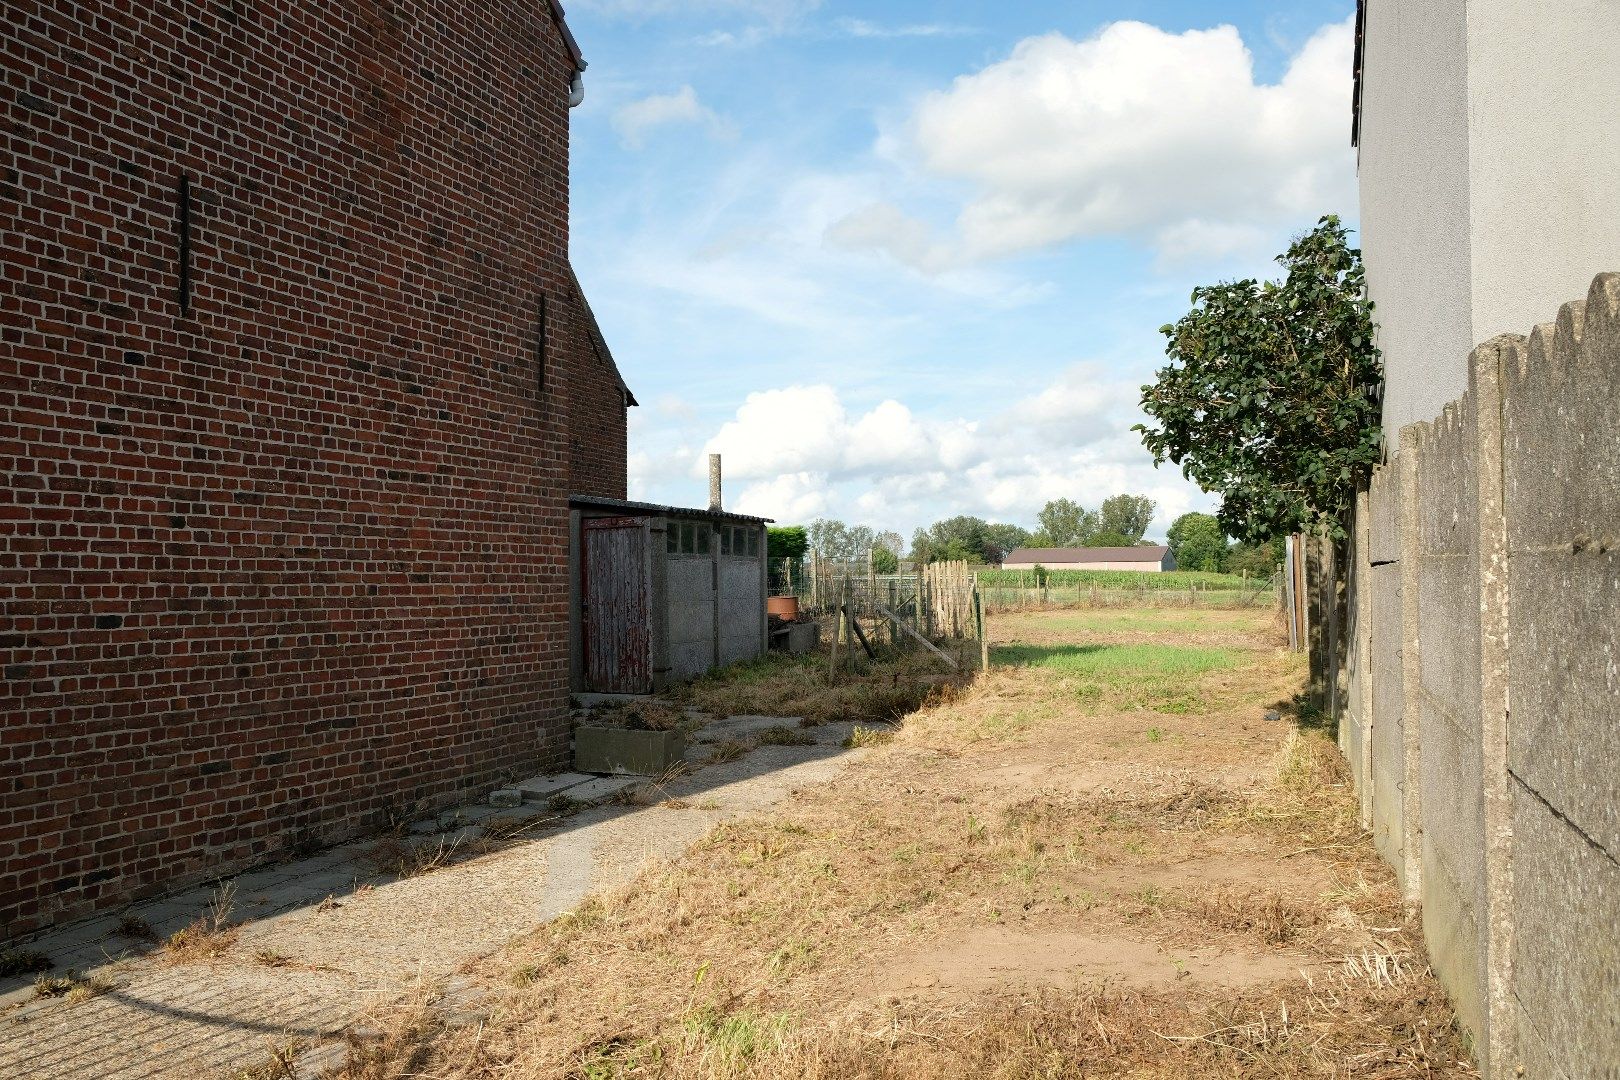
576, 89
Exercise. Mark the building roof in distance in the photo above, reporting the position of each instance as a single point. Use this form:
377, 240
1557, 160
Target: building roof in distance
1144, 554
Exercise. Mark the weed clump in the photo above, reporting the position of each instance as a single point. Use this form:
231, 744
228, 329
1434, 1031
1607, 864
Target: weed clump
634, 716
210, 936
14, 962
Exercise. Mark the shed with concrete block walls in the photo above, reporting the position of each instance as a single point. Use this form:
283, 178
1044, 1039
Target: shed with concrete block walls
661, 593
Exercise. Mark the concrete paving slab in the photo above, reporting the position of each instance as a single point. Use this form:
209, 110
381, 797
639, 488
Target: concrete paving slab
603, 787
735, 727
541, 788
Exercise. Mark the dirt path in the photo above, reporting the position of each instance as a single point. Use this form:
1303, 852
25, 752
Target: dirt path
1099, 860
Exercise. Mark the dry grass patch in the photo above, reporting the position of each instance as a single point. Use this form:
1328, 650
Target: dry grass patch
777, 684
766, 950
210, 936
73, 988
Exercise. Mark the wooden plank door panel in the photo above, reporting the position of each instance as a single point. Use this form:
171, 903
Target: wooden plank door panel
617, 623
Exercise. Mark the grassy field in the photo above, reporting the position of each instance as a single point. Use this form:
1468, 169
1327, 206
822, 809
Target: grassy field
1097, 860
1118, 579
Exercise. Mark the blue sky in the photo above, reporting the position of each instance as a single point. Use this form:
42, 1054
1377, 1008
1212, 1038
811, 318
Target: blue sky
903, 261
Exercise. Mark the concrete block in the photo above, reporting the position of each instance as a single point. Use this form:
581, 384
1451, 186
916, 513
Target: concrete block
1564, 648
620, 750
1566, 950
541, 788
505, 798
797, 638
602, 788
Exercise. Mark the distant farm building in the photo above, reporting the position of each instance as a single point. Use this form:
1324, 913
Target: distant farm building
1148, 559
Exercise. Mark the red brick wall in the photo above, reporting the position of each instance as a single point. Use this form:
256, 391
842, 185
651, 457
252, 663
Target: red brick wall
597, 437
280, 566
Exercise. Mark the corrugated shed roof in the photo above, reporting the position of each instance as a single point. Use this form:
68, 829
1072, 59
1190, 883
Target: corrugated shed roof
635, 508
1144, 554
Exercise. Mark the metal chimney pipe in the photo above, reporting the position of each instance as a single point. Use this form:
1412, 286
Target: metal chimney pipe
715, 502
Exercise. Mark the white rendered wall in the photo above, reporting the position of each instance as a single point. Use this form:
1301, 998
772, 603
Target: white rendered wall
1544, 155
1414, 202
1490, 158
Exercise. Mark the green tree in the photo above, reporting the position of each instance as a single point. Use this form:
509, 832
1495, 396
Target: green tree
1064, 523
1197, 543
829, 538
786, 542
1110, 538
1258, 560
1001, 539
884, 561
961, 537
1272, 394
1126, 515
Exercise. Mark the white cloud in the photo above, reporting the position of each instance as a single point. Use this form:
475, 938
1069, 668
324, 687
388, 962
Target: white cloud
800, 452
862, 28
634, 120
790, 497
885, 227
1136, 132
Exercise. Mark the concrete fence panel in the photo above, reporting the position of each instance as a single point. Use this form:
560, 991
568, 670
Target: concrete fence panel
1490, 690
1561, 420
1452, 847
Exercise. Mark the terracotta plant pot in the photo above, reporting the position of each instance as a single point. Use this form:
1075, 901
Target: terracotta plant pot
785, 608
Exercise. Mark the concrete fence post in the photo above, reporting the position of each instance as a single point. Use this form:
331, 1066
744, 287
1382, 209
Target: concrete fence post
1359, 717
1409, 461
1485, 379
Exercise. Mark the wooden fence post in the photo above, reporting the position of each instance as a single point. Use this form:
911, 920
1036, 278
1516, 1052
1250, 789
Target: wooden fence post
984, 636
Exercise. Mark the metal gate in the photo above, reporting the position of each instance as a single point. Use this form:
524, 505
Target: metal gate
616, 602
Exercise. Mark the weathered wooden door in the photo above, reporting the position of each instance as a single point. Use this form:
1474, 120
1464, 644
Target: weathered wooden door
616, 612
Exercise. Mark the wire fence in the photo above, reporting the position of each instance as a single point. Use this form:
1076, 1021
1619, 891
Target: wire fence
932, 607
941, 606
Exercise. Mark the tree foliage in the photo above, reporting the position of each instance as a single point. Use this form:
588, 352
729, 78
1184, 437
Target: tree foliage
1127, 515
1001, 539
960, 537
963, 537
1121, 522
1064, 523
1197, 543
884, 560
1110, 538
832, 539
786, 542
1257, 560
1272, 394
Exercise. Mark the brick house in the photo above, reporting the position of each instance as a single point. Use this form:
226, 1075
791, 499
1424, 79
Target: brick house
295, 382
